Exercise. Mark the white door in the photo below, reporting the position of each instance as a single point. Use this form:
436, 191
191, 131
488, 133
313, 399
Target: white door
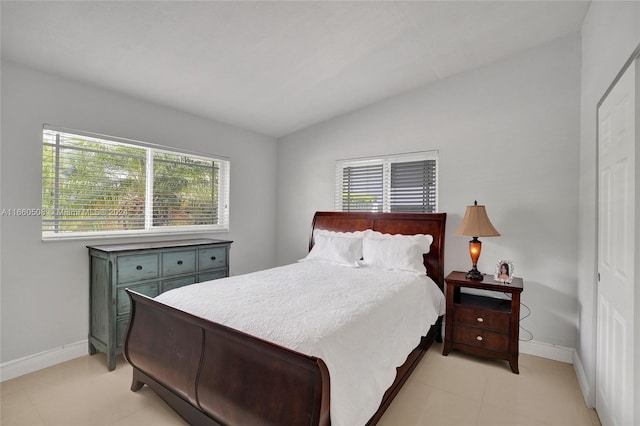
616, 252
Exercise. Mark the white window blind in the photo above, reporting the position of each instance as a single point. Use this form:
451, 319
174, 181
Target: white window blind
395, 183
362, 187
96, 185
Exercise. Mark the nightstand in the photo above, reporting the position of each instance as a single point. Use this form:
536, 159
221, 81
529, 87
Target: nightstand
481, 325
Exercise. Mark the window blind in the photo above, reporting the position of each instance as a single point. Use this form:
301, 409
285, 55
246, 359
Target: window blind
94, 185
362, 188
184, 190
413, 187
396, 183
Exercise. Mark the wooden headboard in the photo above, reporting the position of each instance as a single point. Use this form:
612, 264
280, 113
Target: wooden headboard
392, 223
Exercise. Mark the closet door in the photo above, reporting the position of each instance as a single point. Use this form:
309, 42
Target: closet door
617, 118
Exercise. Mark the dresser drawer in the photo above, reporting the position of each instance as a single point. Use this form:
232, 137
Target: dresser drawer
179, 282
212, 258
482, 318
178, 262
482, 338
122, 324
123, 302
138, 267
213, 275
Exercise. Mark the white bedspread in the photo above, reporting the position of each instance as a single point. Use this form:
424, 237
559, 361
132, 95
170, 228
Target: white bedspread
362, 322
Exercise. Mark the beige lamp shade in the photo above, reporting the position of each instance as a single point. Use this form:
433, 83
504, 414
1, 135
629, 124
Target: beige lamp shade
476, 223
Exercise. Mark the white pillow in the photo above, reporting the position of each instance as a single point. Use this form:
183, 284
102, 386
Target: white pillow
396, 252
344, 248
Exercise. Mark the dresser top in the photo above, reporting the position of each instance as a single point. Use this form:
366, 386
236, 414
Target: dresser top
157, 244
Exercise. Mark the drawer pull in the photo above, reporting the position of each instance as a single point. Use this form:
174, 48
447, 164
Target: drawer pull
179, 262
213, 258
479, 338
139, 267
480, 319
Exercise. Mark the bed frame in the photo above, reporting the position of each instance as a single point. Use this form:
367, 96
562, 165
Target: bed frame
214, 375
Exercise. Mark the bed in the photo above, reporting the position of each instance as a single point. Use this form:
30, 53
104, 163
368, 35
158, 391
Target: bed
211, 373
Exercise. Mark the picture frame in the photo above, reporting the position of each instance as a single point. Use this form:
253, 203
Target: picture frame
502, 275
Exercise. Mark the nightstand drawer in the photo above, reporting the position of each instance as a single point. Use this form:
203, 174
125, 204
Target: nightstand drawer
482, 318
481, 338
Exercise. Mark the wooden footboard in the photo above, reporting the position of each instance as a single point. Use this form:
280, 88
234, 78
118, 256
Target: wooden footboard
212, 374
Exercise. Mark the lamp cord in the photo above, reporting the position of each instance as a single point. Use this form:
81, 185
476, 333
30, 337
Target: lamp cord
521, 318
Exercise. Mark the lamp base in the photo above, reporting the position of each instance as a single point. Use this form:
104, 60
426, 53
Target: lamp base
474, 274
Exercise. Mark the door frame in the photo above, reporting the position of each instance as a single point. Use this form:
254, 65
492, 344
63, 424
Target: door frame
635, 56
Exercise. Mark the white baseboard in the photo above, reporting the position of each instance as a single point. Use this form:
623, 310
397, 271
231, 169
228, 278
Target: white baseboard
583, 382
562, 354
29, 364
549, 351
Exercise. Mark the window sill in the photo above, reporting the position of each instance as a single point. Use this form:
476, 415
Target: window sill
128, 234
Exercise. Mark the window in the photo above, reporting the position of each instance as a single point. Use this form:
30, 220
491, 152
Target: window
397, 183
97, 185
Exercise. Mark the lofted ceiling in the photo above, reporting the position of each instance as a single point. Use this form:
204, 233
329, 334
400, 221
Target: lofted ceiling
273, 67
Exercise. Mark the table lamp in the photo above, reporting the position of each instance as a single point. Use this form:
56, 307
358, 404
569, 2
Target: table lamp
476, 224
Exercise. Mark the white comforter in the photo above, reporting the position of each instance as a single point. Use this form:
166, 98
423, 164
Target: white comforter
362, 322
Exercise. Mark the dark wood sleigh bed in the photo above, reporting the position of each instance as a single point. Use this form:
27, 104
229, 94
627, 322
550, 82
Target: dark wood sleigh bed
211, 374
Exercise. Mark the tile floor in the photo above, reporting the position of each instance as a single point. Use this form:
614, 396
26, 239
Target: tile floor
453, 390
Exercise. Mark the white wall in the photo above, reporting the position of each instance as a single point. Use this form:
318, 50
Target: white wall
45, 285
610, 33
508, 136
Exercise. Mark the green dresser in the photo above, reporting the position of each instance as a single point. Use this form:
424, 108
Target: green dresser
148, 268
